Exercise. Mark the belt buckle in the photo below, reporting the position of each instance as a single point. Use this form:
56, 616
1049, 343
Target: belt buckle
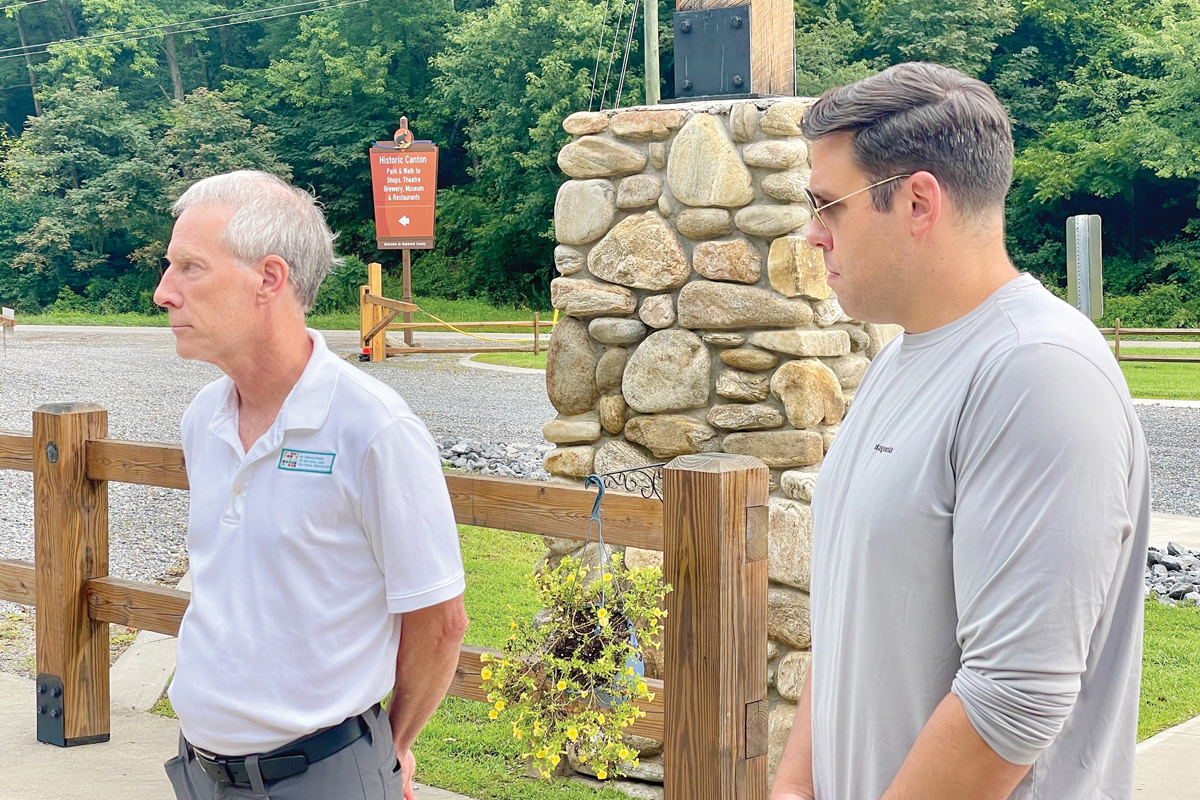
215, 766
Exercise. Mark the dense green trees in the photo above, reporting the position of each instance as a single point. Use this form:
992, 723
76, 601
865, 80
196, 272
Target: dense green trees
1103, 95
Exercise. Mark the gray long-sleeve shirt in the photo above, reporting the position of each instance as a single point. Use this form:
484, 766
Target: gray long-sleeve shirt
980, 527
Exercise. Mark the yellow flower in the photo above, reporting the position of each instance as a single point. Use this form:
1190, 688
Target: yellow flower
602, 613
562, 685
517, 733
572, 734
493, 714
601, 774
600, 719
608, 576
499, 705
635, 763
629, 670
554, 760
485, 657
641, 686
624, 754
583, 758
486, 673
541, 753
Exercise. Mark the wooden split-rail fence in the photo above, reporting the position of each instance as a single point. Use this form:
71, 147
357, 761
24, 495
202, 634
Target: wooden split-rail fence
710, 710
377, 314
1117, 331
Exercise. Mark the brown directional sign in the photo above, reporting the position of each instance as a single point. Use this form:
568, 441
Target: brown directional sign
405, 184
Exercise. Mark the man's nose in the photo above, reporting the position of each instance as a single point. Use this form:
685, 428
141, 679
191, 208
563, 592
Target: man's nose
817, 235
165, 295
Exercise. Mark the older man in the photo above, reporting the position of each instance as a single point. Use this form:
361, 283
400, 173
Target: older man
323, 549
980, 523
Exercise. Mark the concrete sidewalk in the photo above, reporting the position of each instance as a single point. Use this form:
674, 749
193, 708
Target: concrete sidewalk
129, 766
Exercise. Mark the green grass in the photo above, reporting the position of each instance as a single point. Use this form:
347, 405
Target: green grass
1170, 667
460, 749
81, 318
468, 310
1162, 381
526, 360
463, 751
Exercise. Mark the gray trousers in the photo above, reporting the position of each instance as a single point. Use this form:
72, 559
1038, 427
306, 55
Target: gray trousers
366, 770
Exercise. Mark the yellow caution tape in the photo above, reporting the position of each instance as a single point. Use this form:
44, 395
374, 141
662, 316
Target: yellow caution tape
464, 333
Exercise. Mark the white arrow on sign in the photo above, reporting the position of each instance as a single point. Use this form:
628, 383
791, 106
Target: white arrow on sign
404, 221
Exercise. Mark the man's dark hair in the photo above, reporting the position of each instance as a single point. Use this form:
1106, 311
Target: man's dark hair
917, 116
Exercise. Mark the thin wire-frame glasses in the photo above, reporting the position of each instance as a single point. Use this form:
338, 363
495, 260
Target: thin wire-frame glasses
816, 210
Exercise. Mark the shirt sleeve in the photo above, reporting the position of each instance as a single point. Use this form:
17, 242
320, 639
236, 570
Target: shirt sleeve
408, 517
1042, 460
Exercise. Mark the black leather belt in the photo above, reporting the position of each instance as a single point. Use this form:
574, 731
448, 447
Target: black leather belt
286, 761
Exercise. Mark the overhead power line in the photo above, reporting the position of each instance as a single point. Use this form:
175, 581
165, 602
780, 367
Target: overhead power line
59, 45
126, 33
22, 5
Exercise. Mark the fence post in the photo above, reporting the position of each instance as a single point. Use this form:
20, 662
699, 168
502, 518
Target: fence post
375, 282
364, 317
70, 528
715, 558
1117, 339
537, 332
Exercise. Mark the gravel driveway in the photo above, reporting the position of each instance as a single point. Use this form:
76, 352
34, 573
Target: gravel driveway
135, 374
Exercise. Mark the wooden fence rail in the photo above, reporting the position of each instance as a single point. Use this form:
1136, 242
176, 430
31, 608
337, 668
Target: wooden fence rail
1117, 331
376, 315
710, 711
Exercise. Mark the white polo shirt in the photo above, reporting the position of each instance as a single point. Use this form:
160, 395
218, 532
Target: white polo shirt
303, 552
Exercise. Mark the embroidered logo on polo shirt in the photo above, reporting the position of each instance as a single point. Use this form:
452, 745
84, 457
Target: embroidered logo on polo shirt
307, 461
879, 448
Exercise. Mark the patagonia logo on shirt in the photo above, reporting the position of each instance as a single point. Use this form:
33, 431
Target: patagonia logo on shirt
306, 461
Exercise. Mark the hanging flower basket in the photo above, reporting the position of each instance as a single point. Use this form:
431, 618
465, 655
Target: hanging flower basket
573, 681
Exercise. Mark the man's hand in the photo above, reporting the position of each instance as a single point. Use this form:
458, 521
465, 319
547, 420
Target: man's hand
430, 640
794, 778
408, 766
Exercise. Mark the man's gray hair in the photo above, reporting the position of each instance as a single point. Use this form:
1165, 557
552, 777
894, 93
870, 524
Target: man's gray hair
913, 117
270, 217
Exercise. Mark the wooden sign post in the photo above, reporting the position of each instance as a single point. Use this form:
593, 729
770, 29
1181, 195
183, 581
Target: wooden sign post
404, 180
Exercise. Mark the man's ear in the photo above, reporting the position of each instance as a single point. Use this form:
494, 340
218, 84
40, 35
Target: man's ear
924, 200
275, 273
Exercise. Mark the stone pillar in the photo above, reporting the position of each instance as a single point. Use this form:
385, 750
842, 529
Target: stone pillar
698, 319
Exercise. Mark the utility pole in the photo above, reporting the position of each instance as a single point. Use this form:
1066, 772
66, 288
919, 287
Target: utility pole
651, 51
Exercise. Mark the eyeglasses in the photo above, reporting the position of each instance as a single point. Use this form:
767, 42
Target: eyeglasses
816, 210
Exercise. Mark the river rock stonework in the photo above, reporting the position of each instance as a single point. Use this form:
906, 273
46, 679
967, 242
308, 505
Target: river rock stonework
698, 319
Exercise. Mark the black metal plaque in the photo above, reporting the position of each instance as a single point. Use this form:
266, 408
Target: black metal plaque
712, 52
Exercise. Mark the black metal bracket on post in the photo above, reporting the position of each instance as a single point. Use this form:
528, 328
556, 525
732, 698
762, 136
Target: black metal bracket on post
52, 714
712, 53
51, 725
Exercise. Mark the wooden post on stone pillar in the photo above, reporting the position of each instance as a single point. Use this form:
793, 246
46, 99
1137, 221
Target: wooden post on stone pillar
70, 528
715, 558
772, 41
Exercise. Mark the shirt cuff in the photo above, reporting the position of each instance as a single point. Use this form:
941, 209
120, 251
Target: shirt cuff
448, 590
1018, 725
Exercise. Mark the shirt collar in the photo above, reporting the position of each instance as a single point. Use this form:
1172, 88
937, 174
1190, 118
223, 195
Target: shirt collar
307, 404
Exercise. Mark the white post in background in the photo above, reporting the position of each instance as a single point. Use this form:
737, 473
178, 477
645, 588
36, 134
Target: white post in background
1085, 273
